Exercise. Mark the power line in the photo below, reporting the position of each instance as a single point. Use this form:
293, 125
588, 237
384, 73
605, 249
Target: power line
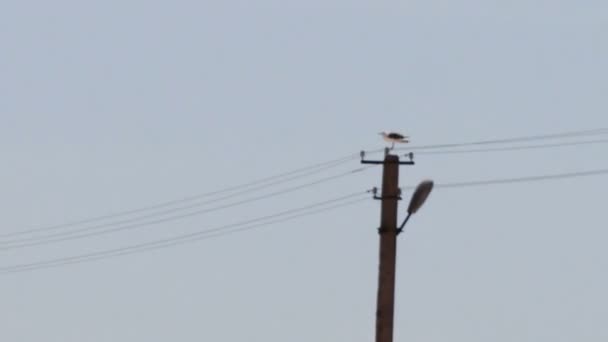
515, 148
97, 229
523, 179
270, 219
527, 179
16, 244
568, 134
193, 237
286, 177
264, 182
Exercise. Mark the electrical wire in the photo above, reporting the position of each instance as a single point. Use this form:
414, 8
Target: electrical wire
267, 220
260, 184
523, 179
515, 148
292, 214
110, 227
568, 134
263, 183
526, 179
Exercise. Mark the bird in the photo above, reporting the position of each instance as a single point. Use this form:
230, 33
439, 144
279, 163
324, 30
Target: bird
393, 138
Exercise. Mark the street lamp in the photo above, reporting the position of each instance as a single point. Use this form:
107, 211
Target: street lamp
418, 198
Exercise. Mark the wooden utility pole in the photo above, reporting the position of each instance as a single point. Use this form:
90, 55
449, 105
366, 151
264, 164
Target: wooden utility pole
390, 197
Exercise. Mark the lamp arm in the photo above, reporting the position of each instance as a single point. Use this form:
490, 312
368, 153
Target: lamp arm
400, 229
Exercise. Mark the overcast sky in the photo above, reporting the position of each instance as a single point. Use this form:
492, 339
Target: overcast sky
112, 105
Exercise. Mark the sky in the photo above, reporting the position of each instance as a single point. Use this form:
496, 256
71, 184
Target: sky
112, 105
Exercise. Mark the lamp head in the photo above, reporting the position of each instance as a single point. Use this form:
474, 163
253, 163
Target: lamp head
420, 195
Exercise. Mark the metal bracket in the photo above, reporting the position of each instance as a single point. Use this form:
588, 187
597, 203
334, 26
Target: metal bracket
384, 230
376, 197
382, 162
398, 198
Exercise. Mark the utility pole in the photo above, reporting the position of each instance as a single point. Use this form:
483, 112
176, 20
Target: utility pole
390, 196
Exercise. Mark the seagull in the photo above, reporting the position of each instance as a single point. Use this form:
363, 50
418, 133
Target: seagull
393, 138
